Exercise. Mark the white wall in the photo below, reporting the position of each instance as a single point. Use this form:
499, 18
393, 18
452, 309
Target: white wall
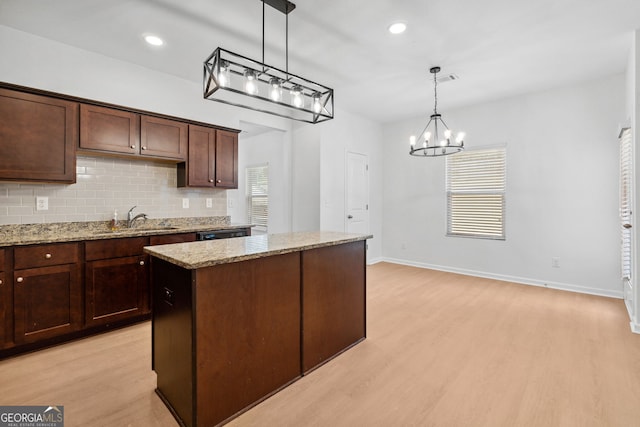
306, 177
562, 190
274, 149
350, 133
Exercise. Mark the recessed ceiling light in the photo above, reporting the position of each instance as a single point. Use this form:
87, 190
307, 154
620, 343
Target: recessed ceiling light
153, 40
397, 28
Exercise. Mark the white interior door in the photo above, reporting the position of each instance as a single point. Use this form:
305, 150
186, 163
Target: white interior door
357, 192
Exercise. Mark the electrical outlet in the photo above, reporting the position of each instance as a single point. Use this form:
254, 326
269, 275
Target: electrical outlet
185, 203
42, 203
209, 202
555, 262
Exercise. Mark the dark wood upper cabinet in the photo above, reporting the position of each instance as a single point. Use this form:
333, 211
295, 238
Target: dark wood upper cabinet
38, 137
109, 130
226, 159
163, 138
212, 160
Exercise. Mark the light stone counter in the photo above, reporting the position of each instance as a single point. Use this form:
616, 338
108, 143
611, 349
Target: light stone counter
30, 234
213, 252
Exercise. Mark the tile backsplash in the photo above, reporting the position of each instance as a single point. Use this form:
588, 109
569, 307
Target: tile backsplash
104, 184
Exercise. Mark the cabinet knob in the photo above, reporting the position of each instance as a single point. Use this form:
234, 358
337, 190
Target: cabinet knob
219, 181
144, 148
141, 262
19, 280
210, 180
133, 146
0, 281
47, 256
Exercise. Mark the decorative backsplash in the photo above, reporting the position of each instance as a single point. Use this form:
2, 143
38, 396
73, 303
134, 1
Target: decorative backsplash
105, 184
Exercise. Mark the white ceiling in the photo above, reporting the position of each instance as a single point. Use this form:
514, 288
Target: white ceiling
498, 48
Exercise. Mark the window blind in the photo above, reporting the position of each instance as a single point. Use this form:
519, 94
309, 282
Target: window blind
476, 185
257, 191
626, 188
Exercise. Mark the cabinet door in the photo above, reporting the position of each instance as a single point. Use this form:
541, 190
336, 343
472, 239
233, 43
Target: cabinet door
3, 309
226, 169
38, 138
163, 138
201, 161
109, 130
116, 289
47, 302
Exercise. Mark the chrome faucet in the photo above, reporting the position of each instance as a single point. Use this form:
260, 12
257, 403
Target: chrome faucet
131, 219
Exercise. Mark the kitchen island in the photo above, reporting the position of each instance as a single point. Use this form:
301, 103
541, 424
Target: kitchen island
236, 320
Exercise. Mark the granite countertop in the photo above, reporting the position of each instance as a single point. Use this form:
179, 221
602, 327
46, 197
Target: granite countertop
213, 252
30, 234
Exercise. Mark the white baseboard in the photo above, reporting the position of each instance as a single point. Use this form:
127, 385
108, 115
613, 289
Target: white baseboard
635, 327
373, 261
514, 279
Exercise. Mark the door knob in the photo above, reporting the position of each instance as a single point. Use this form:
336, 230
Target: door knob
349, 216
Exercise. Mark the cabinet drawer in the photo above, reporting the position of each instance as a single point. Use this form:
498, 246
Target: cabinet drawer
114, 248
172, 238
45, 255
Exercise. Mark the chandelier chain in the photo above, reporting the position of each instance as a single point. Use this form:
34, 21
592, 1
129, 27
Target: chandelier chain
435, 94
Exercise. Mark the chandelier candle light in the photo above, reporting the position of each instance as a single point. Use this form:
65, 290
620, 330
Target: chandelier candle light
237, 80
436, 136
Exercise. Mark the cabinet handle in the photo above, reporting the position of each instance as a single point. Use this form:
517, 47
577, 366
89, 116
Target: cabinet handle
133, 146
141, 262
144, 148
19, 280
47, 256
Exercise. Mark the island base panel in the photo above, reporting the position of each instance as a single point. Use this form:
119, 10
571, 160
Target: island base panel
172, 337
333, 301
248, 333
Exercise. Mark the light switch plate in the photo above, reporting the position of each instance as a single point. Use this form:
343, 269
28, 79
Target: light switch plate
185, 203
42, 203
209, 201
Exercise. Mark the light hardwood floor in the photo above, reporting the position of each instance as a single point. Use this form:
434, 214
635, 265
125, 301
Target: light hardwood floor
442, 350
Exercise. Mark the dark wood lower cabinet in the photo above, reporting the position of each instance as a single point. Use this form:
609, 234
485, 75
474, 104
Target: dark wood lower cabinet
47, 302
116, 289
3, 307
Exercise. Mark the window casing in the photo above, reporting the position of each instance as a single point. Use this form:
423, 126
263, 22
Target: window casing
257, 193
476, 187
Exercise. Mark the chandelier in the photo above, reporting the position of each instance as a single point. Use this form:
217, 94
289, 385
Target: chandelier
436, 137
237, 80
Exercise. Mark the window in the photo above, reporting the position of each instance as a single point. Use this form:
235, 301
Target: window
476, 184
257, 178
626, 188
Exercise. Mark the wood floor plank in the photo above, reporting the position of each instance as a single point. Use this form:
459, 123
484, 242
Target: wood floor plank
442, 350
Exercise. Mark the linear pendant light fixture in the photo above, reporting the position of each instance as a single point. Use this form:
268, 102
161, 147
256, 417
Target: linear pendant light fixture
237, 80
436, 136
